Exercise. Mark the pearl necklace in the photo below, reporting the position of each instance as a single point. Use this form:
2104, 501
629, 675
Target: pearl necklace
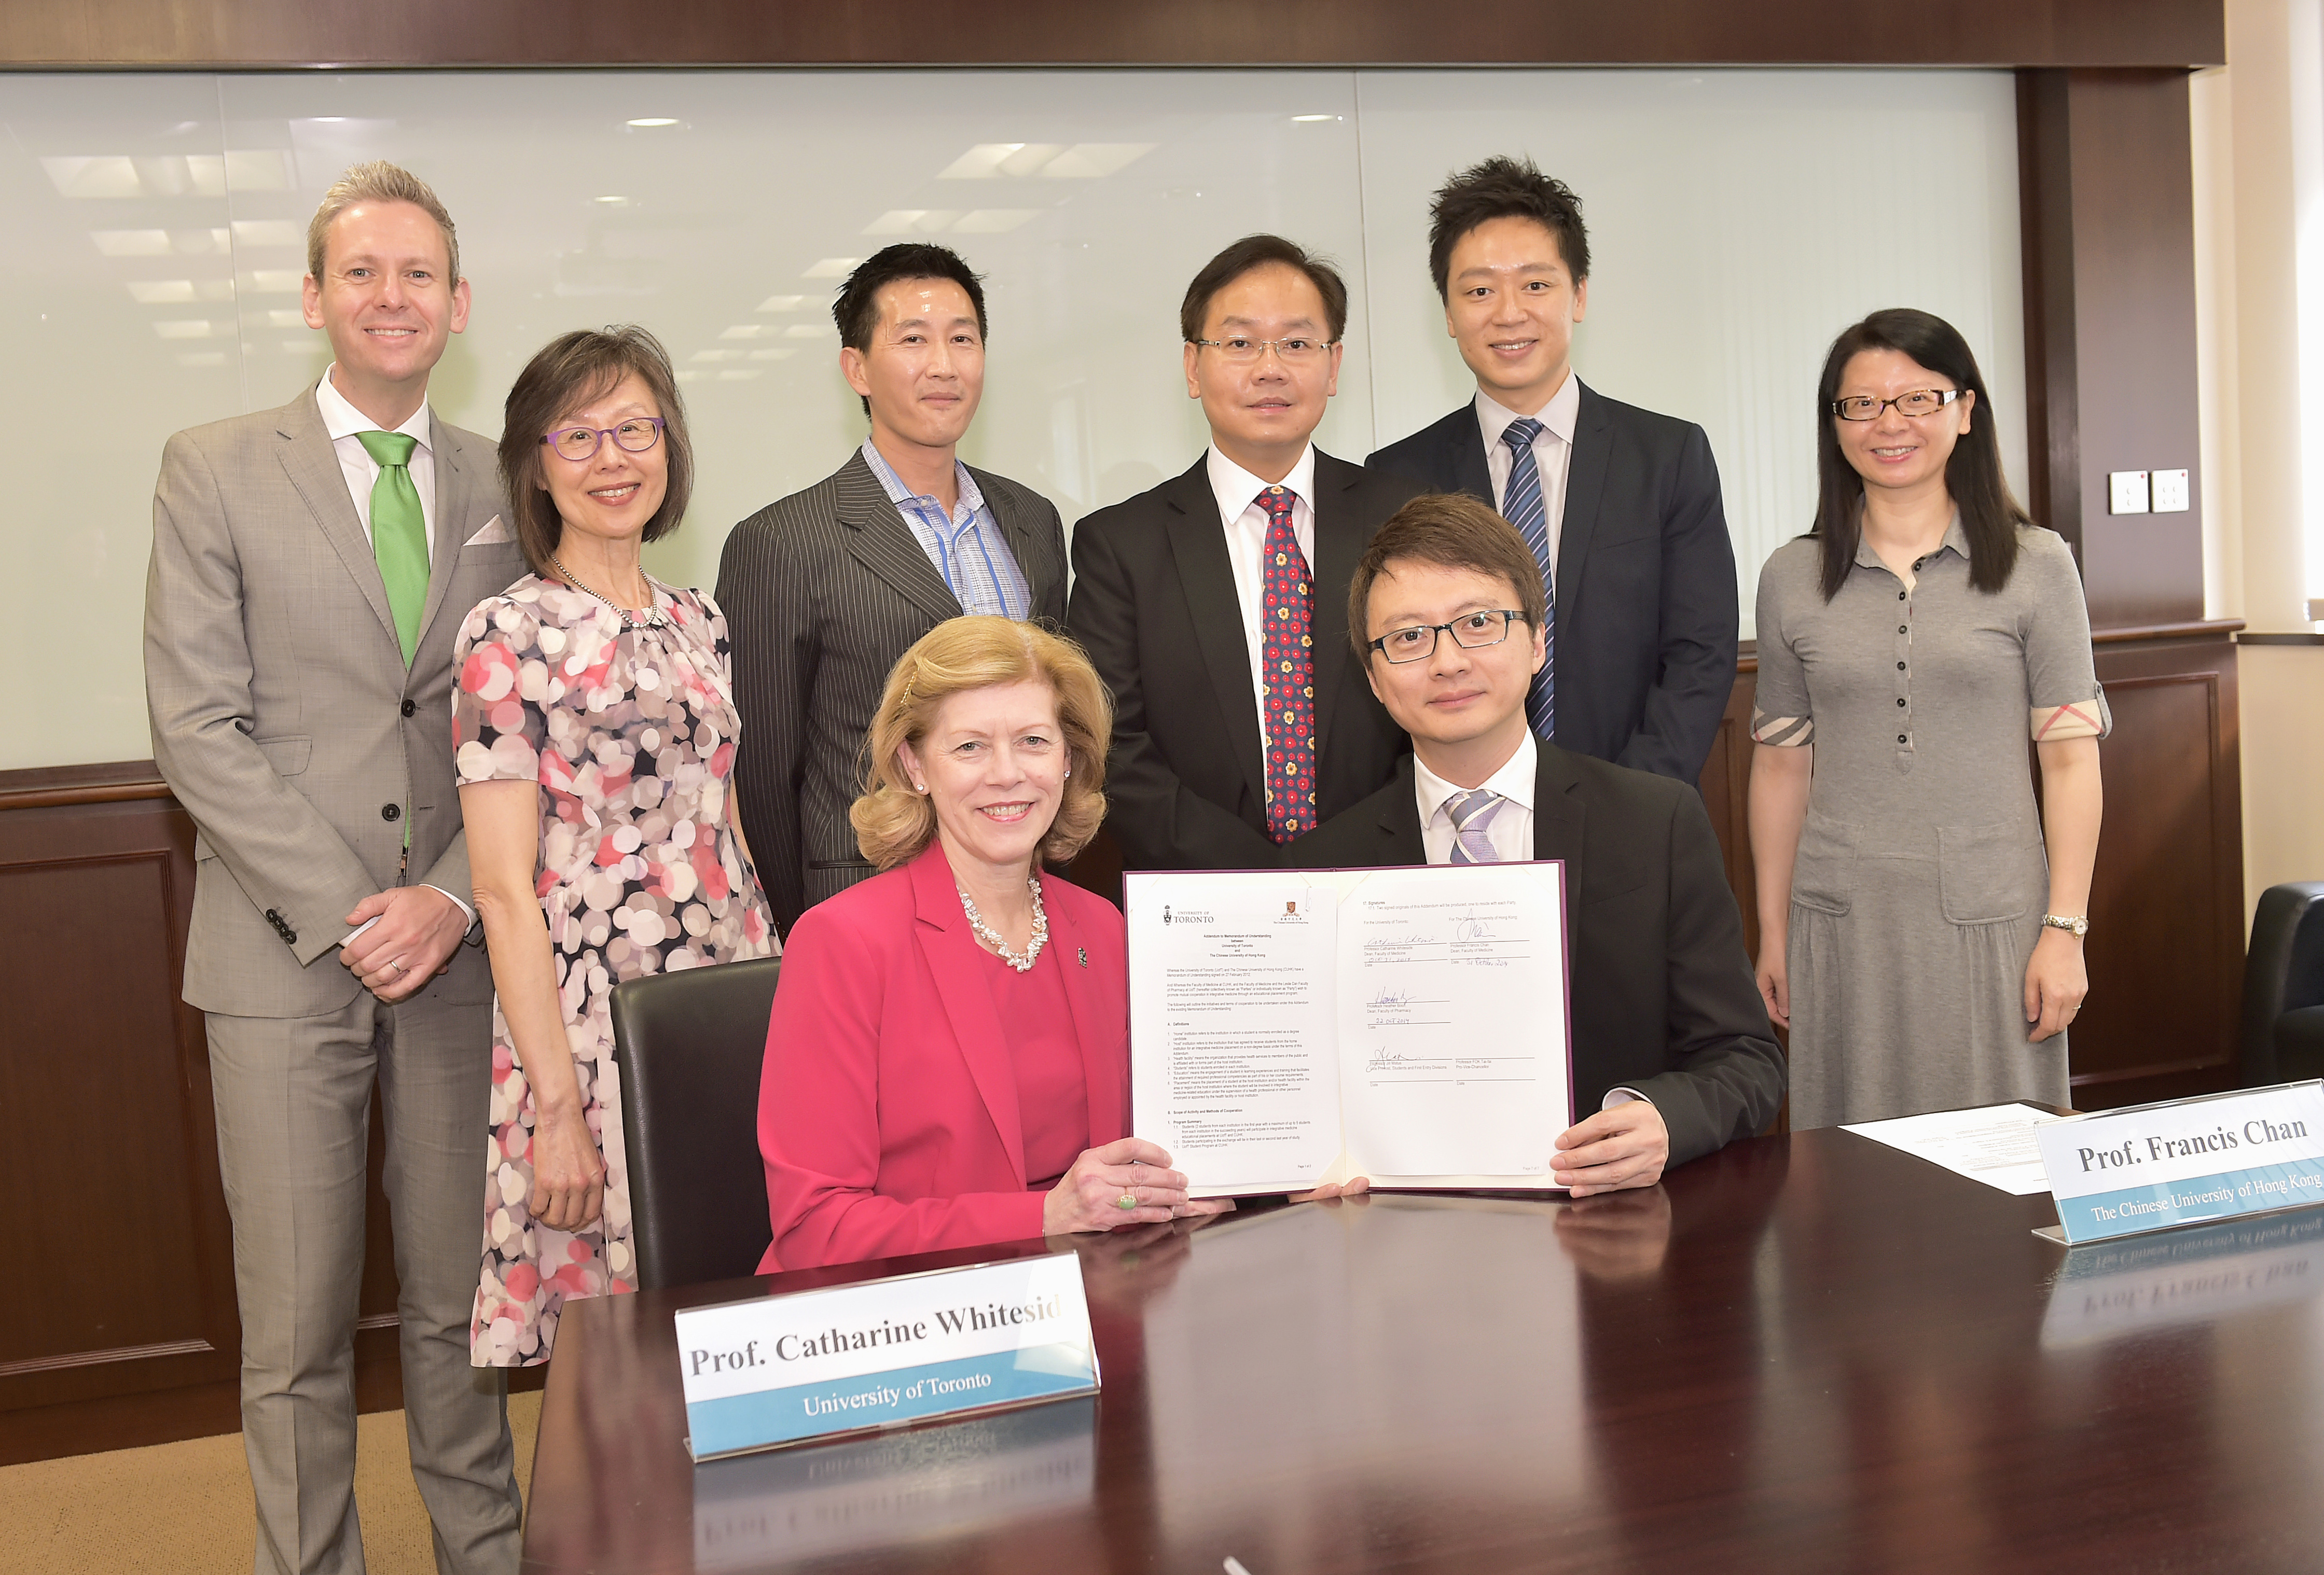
992, 937
652, 617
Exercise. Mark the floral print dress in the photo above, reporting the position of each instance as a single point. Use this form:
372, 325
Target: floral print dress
630, 733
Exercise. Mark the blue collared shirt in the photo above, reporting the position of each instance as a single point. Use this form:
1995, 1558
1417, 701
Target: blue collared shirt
966, 548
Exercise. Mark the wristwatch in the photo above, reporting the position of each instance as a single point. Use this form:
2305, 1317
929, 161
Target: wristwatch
2078, 926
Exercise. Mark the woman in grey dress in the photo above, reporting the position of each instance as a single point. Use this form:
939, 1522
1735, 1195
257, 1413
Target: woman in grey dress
1924, 953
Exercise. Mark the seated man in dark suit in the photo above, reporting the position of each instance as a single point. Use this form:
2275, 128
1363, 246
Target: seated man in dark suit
825, 589
1211, 604
1671, 1048
1619, 506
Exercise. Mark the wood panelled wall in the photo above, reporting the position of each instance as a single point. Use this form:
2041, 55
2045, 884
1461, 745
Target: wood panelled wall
347, 33
123, 1331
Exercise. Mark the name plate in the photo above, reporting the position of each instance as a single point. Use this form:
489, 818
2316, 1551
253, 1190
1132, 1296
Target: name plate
2185, 1161
777, 1371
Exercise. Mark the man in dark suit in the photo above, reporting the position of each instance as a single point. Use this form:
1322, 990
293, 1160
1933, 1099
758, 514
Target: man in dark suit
1212, 604
824, 590
1620, 505
1671, 1050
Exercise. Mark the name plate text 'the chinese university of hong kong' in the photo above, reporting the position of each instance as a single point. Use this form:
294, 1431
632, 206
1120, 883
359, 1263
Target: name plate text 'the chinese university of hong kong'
778, 1370
2149, 1167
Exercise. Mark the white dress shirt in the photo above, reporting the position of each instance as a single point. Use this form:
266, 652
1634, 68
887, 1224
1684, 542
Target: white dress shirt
342, 421
1511, 829
1552, 452
1246, 524
1510, 832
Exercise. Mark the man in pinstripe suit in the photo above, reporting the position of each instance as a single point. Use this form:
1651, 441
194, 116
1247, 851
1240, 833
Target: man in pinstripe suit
824, 590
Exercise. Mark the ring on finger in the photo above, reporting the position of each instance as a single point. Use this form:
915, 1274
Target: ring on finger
1129, 1200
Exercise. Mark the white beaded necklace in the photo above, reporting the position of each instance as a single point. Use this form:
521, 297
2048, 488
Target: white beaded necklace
992, 937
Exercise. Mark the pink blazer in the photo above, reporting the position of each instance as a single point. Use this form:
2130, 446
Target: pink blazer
888, 1114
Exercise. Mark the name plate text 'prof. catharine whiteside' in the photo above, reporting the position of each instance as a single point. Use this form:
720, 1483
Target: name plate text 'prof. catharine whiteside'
779, 1370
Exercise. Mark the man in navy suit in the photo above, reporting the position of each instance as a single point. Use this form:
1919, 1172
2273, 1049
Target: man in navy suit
1621, 505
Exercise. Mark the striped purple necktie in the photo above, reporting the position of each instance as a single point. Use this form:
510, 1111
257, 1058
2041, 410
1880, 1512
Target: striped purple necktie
1522, 507
1472, 817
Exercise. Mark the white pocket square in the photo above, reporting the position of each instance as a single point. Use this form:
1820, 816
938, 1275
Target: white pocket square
495, 530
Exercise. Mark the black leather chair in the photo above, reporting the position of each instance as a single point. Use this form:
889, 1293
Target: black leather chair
689, 1046
2283, 986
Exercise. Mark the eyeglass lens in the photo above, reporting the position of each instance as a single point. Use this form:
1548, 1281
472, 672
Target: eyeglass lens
1923, 402
581, 442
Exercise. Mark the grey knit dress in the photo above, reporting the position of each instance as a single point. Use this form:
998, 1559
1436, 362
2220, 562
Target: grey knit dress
1920, 883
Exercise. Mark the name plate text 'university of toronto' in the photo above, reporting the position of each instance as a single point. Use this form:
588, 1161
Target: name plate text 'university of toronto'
778, 1370
2148, 1167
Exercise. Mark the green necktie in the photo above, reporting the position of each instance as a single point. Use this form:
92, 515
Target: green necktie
399, 533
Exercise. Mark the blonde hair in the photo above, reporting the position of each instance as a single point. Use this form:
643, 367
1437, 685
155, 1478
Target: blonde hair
378, 181
893, 823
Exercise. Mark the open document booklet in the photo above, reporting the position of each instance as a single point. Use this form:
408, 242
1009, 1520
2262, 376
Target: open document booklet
1408, 1025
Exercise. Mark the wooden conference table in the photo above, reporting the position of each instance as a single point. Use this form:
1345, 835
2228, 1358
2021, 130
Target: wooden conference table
1803, 1354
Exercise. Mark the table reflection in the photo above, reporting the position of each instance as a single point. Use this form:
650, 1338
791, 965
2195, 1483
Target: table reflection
2106, 1290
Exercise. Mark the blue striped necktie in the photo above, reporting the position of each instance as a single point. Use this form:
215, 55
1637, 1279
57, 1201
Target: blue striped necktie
1523, 508
1472, 818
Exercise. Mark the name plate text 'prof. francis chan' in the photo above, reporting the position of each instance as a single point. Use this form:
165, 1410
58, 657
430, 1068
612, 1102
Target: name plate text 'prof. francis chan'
2148, 1167
779, 1371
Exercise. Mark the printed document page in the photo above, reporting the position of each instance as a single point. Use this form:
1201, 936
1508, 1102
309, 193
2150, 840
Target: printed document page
1993, 1145
1454, 1064
1231, 1012
1290, 1029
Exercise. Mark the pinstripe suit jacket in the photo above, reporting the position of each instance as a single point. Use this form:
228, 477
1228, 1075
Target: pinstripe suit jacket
823, 591
283, 716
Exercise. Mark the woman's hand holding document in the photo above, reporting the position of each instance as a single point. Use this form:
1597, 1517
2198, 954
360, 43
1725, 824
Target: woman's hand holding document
1291, 1032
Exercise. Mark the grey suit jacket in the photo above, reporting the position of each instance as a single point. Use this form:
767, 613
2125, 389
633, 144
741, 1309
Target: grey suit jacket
823, 591
283, 716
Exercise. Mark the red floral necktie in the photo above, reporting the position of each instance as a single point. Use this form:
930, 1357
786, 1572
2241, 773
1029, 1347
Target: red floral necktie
1287, 652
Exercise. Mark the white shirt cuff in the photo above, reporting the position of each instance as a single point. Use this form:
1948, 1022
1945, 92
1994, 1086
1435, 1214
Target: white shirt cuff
1621, 1096
466, 907
457, 902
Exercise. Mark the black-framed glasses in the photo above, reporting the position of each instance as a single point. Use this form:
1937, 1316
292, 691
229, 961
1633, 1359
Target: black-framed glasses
1294, 352
1471, 631
636, 435
1920, 402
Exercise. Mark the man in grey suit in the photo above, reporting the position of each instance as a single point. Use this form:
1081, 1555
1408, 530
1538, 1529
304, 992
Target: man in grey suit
824, 590
311, 567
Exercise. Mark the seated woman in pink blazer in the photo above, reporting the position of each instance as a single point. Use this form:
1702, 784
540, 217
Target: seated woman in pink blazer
948, 1058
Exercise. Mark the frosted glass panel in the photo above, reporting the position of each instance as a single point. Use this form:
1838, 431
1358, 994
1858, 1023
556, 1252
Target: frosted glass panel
1736, 226
154, 250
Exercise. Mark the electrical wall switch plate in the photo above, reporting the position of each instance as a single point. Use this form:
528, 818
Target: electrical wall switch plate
2168, 491
2126, 492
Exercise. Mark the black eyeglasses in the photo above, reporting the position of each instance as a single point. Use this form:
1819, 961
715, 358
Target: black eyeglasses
636, 435
1921, 401
1471, 631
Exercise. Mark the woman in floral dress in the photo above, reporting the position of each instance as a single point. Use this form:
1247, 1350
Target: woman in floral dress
595, 726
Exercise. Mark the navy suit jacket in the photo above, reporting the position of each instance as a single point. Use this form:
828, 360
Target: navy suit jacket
1647, 604
1661, 994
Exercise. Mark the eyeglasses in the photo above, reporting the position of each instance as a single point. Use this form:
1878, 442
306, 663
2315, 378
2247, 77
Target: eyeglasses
636, 435
1471, 631
1290, 352
1920, 402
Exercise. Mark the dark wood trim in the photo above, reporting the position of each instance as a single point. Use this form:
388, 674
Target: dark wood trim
2280, 639
2207, 629
52, 786
89, 1358
341, 34
2107, 231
